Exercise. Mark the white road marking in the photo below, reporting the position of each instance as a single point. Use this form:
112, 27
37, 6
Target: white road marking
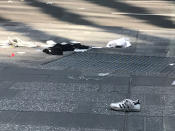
119, 13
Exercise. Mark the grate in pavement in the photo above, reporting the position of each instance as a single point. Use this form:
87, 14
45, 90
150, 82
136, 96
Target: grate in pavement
100, 62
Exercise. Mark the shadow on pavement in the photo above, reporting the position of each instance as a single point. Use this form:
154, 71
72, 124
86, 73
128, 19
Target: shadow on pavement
157, 20
67, 16
28, 31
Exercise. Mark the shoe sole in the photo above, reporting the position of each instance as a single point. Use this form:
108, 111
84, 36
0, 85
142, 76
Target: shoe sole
130, 110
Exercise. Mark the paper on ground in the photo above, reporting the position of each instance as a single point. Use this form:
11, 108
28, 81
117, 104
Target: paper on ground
172, 64
173, 83
98, 47
122, 42
103, 74
20, 52
80, 50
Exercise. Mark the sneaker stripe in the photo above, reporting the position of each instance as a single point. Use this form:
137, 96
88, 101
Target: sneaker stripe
123, 106
120, 106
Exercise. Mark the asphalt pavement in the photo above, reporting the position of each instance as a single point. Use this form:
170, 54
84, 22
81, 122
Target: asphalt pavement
40, 92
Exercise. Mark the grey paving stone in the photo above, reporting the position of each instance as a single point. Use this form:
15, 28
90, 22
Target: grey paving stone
169, 105
151, 81
69, 96
169, 123
113, 88
69, 120
148, 108
7, 116
5, 84
58, 101
74, 87
8, 93
114, 80
59, 106
154, 99
148, 111
135, 123
55, 86
154, 124
38, 105
84, 107
169, 99
169, 110
153, 90
23, 77
15, 127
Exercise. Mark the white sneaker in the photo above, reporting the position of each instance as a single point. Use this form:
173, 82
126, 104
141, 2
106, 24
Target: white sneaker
126, 105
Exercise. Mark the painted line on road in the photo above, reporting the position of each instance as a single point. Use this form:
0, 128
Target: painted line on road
118, 13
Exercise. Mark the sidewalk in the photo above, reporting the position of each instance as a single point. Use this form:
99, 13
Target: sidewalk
66, 93
75, 97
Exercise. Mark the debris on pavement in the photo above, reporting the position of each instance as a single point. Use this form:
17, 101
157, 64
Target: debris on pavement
103, 74
58, 48
173, 83
75, 42
55, 50
10, 1
119, 43
51, 43
49, 3
80, 50
97, 47
20, 52
172, 64
126, 105
16, 42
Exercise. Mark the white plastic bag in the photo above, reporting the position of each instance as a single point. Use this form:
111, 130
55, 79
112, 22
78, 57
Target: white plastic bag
122, 43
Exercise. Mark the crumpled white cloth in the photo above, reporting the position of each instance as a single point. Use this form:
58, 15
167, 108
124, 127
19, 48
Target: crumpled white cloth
122, 43
19, 43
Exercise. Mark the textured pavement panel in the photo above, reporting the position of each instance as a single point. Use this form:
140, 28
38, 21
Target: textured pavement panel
58, 97
39, 92
16, 127
72, 93
154, 124
69, 120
